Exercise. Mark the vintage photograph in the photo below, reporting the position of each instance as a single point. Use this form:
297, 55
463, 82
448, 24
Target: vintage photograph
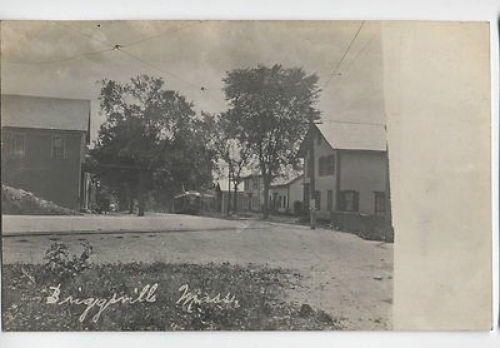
195, 175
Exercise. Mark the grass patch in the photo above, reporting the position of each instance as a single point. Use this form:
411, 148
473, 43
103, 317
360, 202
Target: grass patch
256, 299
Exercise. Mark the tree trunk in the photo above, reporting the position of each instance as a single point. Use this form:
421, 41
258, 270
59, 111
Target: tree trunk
235, 191
266, 197
142, 183
128, 198
229, 195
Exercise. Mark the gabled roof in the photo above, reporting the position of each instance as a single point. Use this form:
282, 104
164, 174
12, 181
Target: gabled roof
284, 181
45, 113
348, 136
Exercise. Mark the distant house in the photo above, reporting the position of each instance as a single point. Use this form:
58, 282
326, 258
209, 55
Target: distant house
253, 187
43, 147
225, 200
351, 170
286, 195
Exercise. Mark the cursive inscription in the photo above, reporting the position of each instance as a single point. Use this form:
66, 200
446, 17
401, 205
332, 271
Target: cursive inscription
147, 294
189, 298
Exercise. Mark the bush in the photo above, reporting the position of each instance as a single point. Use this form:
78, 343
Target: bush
61, 264
370, 227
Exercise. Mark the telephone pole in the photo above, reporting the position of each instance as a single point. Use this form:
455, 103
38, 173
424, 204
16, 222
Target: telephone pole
312, 182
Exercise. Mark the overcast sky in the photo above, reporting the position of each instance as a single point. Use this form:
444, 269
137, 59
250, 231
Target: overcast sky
65, 59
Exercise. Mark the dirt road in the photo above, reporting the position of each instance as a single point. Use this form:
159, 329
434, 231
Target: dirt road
346, 276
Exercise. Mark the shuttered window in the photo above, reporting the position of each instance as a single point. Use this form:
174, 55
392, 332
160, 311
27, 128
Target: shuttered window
349, 200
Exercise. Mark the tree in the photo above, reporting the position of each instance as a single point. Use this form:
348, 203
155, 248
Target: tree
229, 146
147, 135
272, 108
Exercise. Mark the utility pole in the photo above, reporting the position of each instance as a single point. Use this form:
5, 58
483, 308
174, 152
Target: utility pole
312, 182
389, 230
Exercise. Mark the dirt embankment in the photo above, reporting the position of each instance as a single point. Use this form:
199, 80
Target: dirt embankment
20, 202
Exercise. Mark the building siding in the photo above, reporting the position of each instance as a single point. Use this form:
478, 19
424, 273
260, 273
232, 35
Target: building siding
362, 171
323, 182
57, 180
365, 173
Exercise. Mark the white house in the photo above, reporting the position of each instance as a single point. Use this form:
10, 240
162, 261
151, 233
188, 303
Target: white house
351, 169
286, 195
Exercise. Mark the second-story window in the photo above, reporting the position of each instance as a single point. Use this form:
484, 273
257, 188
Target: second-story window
330, 165
326, 165
58, 147
321, 166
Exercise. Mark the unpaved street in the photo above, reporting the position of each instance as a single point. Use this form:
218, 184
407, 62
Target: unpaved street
348, 277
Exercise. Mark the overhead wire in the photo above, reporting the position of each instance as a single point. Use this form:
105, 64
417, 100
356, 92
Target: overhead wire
345, 54
116, 47
120, 49
350, 122
59, 59
351, 64
353, 61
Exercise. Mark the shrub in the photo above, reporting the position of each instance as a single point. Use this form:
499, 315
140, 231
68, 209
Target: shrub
61, 264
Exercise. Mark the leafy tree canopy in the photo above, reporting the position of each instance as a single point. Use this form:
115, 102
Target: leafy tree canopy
149, 133
271, 108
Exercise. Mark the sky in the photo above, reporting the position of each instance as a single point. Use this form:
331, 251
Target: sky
66, 59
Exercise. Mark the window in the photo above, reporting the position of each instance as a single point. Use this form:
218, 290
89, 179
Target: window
321, 166
330, 165
379, 203
317, 200
15, 144
350, 200
319, 139
284, 202
58, 147
329, 200
326, 165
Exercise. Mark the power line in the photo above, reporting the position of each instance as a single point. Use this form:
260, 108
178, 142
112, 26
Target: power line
368, 42
352, 62
345, 54
360, 123
61, 59
120, 49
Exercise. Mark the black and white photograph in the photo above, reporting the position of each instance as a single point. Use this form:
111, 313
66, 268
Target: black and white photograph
211, 175
194, 175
